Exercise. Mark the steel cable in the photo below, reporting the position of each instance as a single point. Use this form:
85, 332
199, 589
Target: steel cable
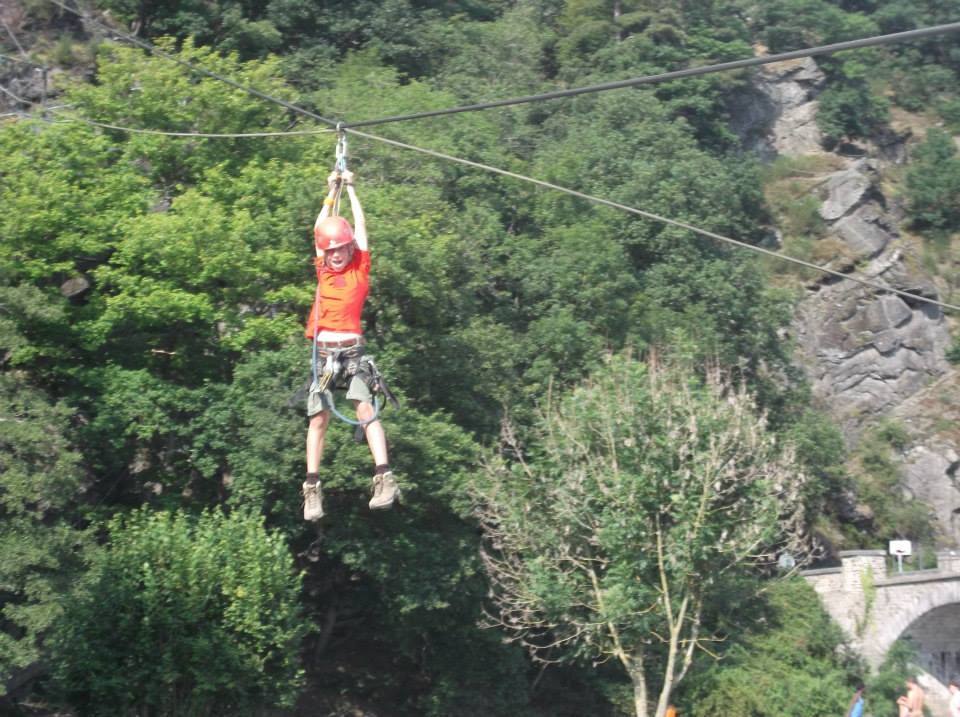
347, 127
653, 217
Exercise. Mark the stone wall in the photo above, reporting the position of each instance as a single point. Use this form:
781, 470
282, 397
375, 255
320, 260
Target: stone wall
843, 590
874, 608
936, 637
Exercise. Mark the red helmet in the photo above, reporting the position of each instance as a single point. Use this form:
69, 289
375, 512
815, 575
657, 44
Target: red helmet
331, 233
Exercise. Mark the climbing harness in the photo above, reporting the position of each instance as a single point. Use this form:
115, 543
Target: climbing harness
342, 363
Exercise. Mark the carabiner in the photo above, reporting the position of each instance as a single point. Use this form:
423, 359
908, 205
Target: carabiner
341, 150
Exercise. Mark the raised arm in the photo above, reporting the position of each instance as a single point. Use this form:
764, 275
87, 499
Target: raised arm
328, 202
359, 221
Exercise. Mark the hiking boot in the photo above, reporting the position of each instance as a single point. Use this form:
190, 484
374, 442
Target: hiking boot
312, 501
385, 491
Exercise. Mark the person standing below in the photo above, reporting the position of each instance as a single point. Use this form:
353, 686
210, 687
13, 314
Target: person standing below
856, 703
343, 271
954, 704
911, 704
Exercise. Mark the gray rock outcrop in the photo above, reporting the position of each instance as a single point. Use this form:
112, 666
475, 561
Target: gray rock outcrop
930, 473
855, 210
931, 465
866, 232
868, 354
846, 190
777, 114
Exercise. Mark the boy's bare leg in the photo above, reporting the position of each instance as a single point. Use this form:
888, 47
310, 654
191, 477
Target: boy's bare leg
385, 489
312, 495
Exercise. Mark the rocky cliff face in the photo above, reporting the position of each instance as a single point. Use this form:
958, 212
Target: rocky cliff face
778, 113
868, 354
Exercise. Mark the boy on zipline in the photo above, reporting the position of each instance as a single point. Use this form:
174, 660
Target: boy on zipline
343, 270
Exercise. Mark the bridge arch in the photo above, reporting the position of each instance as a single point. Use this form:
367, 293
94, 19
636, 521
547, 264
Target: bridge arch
875, 609
936, 636
908, 609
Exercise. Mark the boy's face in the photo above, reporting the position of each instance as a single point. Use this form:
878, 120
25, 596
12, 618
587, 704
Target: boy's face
337, 259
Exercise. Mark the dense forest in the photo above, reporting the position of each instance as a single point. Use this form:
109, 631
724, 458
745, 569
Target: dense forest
565, 370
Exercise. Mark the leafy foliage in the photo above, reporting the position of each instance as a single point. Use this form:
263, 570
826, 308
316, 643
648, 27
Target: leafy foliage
933, 183
647, 497
39, 480
202, 614
888, 683
851, 111
790, 662
876, 479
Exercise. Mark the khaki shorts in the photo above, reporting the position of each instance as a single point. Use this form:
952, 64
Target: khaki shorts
318, 401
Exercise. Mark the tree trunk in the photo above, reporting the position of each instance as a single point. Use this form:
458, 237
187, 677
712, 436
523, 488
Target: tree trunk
664, 702
617, 12
634, 665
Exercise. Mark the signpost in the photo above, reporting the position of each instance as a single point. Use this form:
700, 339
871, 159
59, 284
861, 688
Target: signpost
900, 548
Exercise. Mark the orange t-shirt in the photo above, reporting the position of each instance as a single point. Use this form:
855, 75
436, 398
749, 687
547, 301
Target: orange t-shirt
341, 296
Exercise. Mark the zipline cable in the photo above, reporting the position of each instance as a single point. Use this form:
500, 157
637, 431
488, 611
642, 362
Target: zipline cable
597, 200
667, 76
202, 135
653, 217
67, 119
143, 44
602, 87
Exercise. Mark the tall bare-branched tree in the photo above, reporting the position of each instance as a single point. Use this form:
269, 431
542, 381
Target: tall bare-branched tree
617, 529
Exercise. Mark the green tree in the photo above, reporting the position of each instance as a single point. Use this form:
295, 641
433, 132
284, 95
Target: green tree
640, 502
849, 111
793, 24
39, 481
183, 616
933, 183
876, 471
887, 684
407, 583
670, 286
787, 657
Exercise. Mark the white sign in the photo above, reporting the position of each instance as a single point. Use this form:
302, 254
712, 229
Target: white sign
901, 547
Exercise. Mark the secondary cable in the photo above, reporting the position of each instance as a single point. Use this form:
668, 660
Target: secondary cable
202, 135
654, 217
549, 185
137, 130
650, 79
675, 75
195, 68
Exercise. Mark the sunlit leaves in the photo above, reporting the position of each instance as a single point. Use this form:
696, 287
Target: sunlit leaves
202, 613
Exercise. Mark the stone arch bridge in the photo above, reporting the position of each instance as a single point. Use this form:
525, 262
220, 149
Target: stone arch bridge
875, 608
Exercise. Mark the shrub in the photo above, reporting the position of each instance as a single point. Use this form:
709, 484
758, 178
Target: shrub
933, 183
888, 683
182, 616
850, 111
